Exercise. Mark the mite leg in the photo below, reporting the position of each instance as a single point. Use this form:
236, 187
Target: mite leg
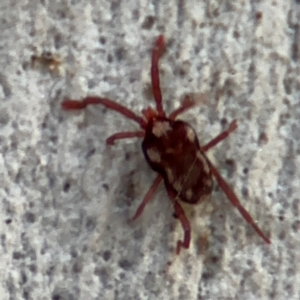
236, 202
180, 214
147, 198
76, 105
223, 135
124, 135
187, 103
157, 52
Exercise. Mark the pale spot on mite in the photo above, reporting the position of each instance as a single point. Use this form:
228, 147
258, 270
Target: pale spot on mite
190, 134
170, 150
153, 155
189, 194
160, 128
203, 161
170, 175
177, 186
208, 182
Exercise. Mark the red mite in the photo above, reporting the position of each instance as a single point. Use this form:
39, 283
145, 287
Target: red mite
172, 149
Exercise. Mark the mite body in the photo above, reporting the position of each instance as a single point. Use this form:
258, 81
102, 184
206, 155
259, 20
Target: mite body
172, 149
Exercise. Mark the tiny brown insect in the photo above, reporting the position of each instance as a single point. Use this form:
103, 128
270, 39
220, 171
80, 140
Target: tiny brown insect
46, 61
172, 149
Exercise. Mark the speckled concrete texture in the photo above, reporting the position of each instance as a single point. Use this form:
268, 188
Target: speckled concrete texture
65, 196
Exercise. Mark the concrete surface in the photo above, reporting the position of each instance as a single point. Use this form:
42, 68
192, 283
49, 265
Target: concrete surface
66, 196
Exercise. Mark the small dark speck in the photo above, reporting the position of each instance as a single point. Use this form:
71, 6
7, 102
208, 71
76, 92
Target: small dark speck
242, 283
258, 15
230, 166
4, 118
288, 289
287, 82
90, 224
103, 274
120, 54
182, 72
53, 139
249, 262
115, 5
61, 14
77, 266
91, 152
263, 138
109, 58
62, 295
214, 259
252, 68
296, 226
290, 272
105, 186
30, 217
5, 86
102, 40
127, 156
282, 235
223, 122
245, 192
138, 234
148, 22
67, 186
295, 50
106, 255
135, 14
236, 34
272, 294
23, 277
125, 264
74, 253
8, 221
58, 41
17, 255
206, 276
32, 268
132, 79
230, 162
245, 170
3, 240
25, 295
281, 218
50, 271
296, 207
51, 181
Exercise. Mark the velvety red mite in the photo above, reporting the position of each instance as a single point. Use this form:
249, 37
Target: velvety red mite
172, 149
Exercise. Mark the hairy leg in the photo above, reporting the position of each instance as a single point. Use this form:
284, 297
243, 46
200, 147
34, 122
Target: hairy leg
180, 214
187, 104
124, 135
223, 135
157, 52
147, 197
236, 202
68, 104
